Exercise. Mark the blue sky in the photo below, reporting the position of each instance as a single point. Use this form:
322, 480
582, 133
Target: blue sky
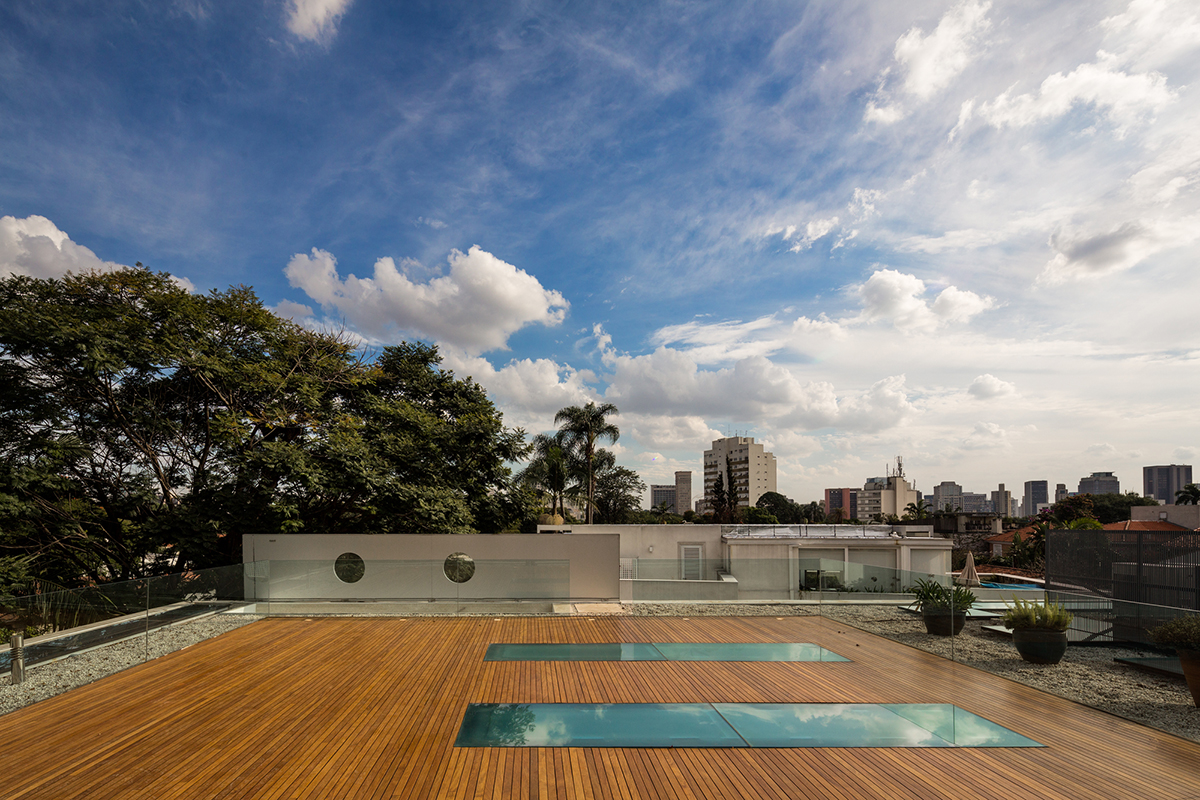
959, 232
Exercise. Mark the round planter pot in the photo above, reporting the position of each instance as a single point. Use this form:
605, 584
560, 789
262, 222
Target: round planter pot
1190, 661
944, 623
1040, 646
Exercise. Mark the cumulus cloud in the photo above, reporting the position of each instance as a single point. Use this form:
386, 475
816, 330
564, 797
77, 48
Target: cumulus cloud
482, 302
1087, 254
669, 432
34, 246
1102, 450
987, 436
1122, 97
988, 387
930, 62
897, 297
315, 20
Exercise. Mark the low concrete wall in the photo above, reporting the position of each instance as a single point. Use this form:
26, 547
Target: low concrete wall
697, 591
411, 567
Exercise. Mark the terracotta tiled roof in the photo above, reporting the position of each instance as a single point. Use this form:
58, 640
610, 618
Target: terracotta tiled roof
1145, 525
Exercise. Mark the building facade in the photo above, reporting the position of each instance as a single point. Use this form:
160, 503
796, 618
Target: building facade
1100, 483
1037, 495
683, 491
846, 499
1002, 502
882, 497
750, 468
663, 493
1162, 481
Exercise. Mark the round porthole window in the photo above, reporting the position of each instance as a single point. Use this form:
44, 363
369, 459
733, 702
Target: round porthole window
349, 568
459, 567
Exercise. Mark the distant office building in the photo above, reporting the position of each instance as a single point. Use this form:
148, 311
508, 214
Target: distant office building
1037, 494
662, 493
751, 469
1060, 491
683, 491
845, 499
1162, 482
1100, 483
1002, 502
881, 497
946, 493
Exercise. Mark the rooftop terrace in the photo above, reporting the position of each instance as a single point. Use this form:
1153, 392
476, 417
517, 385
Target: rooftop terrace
371, 707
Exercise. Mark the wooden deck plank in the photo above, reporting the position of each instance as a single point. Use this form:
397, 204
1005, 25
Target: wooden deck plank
268, 711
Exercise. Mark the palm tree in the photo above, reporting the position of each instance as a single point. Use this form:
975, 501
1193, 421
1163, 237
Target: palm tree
582, 428
917, 510
549, 470
1188, 495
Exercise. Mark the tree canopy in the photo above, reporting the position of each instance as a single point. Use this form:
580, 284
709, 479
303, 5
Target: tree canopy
145, 428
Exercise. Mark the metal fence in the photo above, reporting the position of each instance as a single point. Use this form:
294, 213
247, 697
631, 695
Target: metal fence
1160, 569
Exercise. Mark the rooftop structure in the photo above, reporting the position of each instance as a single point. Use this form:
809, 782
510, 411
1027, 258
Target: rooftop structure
1100, 483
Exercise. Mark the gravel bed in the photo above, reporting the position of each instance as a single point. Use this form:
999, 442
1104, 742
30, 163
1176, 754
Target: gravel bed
55, 677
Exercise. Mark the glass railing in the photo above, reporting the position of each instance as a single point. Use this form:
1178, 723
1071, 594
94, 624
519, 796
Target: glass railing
143, 612
456, 584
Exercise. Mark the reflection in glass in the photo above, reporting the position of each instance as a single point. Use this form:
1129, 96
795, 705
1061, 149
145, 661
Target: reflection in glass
349, 568
459, 567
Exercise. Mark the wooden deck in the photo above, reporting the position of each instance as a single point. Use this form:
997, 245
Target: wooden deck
369, 708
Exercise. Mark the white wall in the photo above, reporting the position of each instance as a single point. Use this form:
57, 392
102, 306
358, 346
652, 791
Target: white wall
410, 566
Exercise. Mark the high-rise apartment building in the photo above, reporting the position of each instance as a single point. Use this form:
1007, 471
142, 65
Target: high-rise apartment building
1163, 481
1002, 502
750, 468
1037, 494
845, 499
882, 497
946, 493
663, 493
1100, 483
1060, 491
683, 491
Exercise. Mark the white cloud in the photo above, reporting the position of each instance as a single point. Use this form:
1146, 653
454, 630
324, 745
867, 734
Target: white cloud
988, 387
1101, 450
34, 246
813, 231
987, 436
931, 62
1080, 254
436, 224
482, 302
897, 297
315, 20
1122, 97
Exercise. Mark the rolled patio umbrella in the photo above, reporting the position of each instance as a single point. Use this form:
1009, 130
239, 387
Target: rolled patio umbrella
968, 576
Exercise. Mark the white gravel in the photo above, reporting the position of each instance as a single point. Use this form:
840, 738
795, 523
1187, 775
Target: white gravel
55, 677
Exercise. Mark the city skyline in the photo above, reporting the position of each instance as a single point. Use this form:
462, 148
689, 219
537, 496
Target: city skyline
958, 231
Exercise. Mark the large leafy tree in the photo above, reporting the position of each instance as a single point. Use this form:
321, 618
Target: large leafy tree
144, 428
583, 427
549, 470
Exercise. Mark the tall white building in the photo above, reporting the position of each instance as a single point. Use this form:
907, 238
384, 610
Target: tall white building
751, 469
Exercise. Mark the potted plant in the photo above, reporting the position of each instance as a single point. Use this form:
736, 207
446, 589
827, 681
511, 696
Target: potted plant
944, 608
1183, 633
1039, 630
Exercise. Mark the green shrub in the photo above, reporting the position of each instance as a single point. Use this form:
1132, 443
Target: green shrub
936, 598
1029, 614
1180, 632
